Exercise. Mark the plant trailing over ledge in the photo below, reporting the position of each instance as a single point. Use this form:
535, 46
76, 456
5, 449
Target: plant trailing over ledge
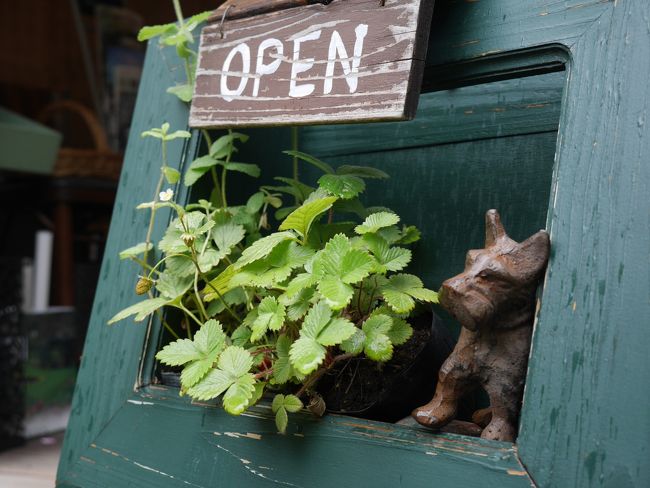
266, 310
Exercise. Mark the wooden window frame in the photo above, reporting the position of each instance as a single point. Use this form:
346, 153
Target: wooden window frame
582, 400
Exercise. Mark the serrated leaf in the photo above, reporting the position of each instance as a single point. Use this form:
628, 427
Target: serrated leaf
302, 218
239, 394
200, 17
210, 258
306, 354
246, 168
336, 293
342, 186
299, 305
316, 320
220, 285
240, 336
410, 234
178, 353
281, 420
323, 166
270, 316
336, 331
400, 290
354, 344
355, 266
400, 332
136, 250
173, 286
278, 402
198, 168
262, 247
183, 92
377, 221
282, 369
235, 360
227, 235
292, 403
378, 346
299, 283
140, 309
361, 171
150, 31
211, 386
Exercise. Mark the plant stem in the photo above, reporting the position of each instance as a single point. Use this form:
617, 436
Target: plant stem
179, 12
224, 200
166, 325
161, 180
188, 312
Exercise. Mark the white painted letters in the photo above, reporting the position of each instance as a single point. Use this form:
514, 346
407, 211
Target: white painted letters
245, 53
337, 49
266, 69
301, 65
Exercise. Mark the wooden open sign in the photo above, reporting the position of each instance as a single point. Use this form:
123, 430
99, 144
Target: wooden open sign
348, 61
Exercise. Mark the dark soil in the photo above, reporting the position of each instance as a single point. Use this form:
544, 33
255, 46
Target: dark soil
389, 391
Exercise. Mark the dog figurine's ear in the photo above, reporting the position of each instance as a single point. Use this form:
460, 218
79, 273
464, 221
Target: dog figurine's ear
530, 257
494, 230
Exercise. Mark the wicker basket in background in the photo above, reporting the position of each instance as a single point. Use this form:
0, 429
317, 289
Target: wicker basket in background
100, 162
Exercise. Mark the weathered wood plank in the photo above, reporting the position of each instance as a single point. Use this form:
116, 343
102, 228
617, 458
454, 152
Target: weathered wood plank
222, 450
346, 61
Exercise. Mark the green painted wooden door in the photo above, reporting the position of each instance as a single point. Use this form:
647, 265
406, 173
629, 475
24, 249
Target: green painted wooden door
566, 148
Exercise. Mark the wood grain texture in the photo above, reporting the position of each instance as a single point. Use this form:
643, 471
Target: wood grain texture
383, 50
585, 421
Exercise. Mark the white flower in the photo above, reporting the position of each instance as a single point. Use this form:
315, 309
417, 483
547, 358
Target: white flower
166, 195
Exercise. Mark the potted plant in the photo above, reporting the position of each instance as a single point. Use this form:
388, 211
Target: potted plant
264, 308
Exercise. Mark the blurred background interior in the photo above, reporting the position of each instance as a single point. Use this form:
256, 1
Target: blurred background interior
69, 78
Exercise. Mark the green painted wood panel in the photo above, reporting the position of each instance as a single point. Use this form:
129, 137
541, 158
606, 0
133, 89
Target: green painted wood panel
585, 419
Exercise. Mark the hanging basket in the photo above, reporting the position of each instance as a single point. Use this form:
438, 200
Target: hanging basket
100, 162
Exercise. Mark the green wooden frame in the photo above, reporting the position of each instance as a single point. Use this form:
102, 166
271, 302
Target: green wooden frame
585, 419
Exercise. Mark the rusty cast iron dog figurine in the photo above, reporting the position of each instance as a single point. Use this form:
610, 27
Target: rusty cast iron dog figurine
494, 301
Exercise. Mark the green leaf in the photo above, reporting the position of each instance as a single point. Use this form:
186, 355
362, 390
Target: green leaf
400, 332
410, 234
232, 374
389, 258
281, 420
377, 221
302, 218
278, 402
241, 336
298, 306
255, 202
220, 285
179, 134
378, 346
200, 17
338, 266
342, 186
361, 172
246, 168
270, 316
228, 235
183, 92
316, 320
324, 167
354, 344
151, 31
173, 286
171, 175
400, 290
337, 294
198, 168
136, 250
282, 369
299, 283
306, 354
178, 353
209, 259
140, 309
336, 331
263, 247
239, 394
292, 403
